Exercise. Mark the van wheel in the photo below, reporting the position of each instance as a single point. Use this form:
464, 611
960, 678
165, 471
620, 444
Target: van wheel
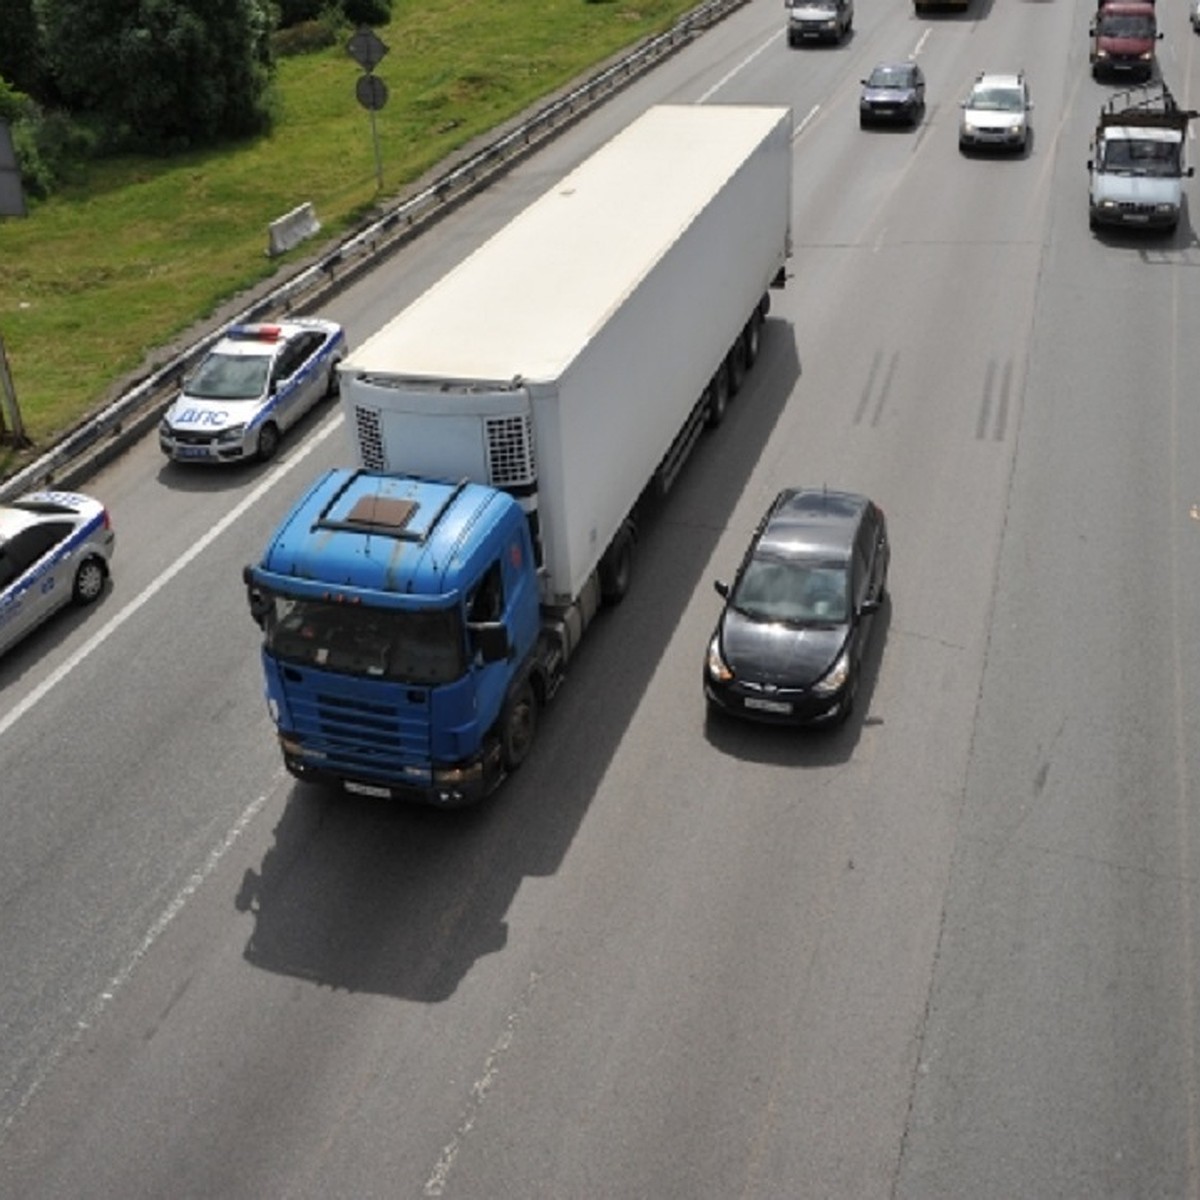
268, 441
518, 725
89, 581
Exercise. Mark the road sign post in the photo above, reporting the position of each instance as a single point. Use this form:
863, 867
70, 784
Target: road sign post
366, 48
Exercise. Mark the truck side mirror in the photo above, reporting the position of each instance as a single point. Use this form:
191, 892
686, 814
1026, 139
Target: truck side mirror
1089, 164
259, 601
1190, 172
721, 588
489, 640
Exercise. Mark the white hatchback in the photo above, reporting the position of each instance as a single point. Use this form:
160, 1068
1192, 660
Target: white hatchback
54, 550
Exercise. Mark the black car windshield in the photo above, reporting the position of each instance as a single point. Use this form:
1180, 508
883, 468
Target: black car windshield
420, 647
805, 592
890, 77
230, 377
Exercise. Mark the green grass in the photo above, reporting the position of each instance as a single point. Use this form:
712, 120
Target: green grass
100, 275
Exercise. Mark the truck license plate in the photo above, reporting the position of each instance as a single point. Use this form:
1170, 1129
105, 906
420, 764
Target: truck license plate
771, 706
367, 789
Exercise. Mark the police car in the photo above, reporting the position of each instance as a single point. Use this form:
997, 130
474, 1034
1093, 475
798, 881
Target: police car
54, 549
255, 382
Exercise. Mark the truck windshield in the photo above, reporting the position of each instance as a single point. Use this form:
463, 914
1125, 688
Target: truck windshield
423, 647
1136, 157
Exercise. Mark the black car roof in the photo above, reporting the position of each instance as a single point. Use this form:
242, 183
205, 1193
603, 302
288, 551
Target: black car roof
813, 521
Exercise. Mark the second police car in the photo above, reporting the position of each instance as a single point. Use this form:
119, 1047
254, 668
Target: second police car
255, 383
54, 550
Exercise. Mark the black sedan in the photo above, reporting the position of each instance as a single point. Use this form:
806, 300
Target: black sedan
892, 92
799, 614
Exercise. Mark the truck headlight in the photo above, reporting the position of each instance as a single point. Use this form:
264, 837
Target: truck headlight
835, 680
1146, 55
718, 668
1164, 208
1101, 53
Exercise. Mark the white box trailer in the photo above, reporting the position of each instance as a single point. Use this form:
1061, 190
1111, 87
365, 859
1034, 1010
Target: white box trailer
573, 358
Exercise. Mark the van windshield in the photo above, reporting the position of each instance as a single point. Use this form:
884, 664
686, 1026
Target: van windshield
1127, 25
1134, 156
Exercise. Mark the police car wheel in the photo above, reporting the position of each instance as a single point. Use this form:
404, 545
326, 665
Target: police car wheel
268, 441
89, 581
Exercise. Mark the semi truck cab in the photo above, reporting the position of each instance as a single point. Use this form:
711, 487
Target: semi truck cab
400, 620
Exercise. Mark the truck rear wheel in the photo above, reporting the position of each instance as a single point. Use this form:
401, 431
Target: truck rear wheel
616, 567
718, 397
518, 725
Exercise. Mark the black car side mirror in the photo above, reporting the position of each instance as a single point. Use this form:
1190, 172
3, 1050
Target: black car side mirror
867, 607
721, 588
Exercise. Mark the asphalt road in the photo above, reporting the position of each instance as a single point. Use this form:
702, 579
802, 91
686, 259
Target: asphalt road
948, 951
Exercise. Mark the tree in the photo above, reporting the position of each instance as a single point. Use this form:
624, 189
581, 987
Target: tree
162, 74
21, 62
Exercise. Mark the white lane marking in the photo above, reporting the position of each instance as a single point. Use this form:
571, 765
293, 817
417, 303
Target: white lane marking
716, 87
921, 42
812, 112
157, 929
435, 1185
97, 639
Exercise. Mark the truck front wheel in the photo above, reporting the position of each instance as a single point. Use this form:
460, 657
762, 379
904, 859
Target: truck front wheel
518, 725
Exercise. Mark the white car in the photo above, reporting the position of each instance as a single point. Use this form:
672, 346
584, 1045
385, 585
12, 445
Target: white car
254, 384
996, 113
54, 550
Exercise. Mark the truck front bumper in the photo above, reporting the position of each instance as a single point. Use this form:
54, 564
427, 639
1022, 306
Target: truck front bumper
456, 785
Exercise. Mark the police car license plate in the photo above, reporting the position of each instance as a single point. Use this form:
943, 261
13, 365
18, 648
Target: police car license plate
192, 451
367, 789
771, 706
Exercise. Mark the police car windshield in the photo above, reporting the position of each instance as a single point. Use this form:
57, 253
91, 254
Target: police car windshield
230, 377
424, 647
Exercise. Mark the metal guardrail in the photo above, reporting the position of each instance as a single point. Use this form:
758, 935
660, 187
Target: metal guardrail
103, 436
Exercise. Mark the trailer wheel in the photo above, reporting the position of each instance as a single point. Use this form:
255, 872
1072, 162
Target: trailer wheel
518, 725
616, 567
752, 340
718, 397
735, 365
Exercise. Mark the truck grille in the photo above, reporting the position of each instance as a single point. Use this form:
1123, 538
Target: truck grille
356, 735
510, 452
370, 438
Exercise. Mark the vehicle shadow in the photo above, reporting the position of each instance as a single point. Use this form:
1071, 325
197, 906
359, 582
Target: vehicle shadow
401, 901
812, 746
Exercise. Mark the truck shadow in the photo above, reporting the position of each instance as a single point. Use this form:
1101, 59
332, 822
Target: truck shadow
365, 896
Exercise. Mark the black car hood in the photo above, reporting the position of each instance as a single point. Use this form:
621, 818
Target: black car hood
783, 655
888, 95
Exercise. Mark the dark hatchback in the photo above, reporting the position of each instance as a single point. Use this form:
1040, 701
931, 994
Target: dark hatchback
799, 614
892, 92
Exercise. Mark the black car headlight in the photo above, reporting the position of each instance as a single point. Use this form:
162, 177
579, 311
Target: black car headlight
716, 666
836, 678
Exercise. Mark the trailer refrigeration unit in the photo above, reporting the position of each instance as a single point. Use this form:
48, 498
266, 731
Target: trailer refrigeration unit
419, 607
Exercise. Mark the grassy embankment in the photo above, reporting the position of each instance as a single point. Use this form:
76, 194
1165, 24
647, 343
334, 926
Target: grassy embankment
101, 274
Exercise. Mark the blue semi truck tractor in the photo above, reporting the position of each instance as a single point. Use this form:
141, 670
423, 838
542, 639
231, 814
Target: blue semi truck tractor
419, 607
